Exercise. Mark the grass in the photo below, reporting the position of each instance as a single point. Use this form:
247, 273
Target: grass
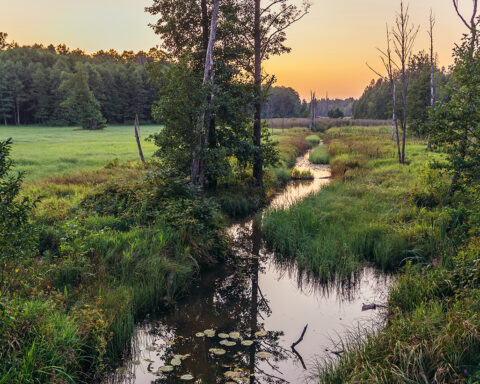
400, 218
367, 214
58, 151
319, 155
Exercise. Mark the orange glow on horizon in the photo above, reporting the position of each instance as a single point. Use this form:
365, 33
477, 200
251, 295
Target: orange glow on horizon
330, 45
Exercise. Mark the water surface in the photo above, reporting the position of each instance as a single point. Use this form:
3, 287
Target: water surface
261, 300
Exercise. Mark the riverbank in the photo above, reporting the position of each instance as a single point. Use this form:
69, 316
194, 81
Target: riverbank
403, 219
111, 246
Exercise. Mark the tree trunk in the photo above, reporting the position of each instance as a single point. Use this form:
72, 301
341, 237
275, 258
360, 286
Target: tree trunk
137, 137
257, 125
432, 79
17, 112
207, 77
404, 122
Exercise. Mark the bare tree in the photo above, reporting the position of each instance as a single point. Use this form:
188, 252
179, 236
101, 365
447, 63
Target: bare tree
404, 35
201, 131
313, 110
432, 72
391, 68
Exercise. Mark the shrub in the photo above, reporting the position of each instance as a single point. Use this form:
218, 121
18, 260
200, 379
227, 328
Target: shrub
319, 155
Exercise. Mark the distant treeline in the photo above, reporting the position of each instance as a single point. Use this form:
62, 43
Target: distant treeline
376, 101
283, 102
31, 90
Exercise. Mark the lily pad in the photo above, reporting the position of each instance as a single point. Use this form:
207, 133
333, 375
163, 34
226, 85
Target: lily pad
186, 377
231, 374
136, 362
175, 362
247, 343
264, 355
165, 369
200, 334
223, 335
149, 360
209, 332
261, 333
217, 351
228, 343
234, 335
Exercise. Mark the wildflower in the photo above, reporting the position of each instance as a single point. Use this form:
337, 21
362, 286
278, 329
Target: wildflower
435, 262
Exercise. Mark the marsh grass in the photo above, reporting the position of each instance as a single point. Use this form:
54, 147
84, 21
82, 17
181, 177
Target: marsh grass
366, 214
319, 155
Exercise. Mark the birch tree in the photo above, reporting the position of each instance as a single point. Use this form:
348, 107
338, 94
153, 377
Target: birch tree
202, 129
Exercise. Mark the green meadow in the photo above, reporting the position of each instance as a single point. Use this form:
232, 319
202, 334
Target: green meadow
46, 151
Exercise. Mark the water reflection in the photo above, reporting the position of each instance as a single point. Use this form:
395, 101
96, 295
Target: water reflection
264, 300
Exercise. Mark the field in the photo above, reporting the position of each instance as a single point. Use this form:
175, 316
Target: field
61, 151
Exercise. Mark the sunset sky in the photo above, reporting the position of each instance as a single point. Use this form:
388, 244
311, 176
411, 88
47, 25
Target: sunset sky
330, 45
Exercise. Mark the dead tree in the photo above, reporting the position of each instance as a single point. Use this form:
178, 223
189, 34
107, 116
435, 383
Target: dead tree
313, 110
404, 35
137, 137
201, 130
432, 74
391, 67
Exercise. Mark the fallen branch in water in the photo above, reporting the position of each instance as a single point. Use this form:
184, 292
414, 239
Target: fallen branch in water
369, 307
301, 337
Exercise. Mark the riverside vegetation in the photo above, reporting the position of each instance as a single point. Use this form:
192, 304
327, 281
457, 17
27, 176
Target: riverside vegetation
401, 218
91, 252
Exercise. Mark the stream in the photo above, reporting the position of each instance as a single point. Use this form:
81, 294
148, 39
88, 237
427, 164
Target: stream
240, 320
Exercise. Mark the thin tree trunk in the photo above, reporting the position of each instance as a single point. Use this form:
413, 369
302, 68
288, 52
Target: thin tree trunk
207, 76
17, 112
137, 137
257, 125
432, 79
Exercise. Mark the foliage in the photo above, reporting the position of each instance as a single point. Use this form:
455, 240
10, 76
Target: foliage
281, 102
335, 113
16, 238
30, 77
80, 102
456, 123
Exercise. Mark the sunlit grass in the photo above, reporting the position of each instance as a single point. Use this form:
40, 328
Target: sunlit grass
57, 151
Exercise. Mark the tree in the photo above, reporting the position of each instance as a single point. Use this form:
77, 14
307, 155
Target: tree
456, 123
269, 36
80, 101
16, 240
335, 113
432, 72
404, 35
281, 102
3, 40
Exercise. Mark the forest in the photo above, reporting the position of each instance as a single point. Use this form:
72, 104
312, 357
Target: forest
175, 216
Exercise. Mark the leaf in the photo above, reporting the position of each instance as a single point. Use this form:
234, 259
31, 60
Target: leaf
234, 335
217, 351
200, 334
228, 343
261, 333
247, 343
186, 377
165, 369
176, 362
223, 335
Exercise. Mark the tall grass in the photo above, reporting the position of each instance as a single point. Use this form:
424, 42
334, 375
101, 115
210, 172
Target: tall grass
319, 155
322, 124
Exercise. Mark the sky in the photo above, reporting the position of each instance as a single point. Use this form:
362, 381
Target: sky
330, 46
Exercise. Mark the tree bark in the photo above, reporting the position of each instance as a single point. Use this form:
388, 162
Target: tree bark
137, 137
207, 78
257, 124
